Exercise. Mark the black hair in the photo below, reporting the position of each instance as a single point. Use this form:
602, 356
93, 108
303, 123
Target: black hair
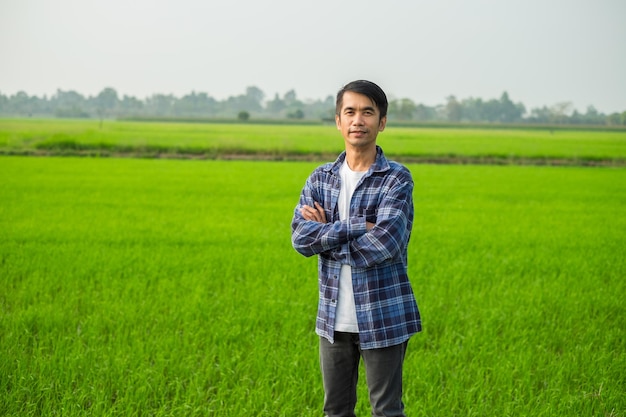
367, 88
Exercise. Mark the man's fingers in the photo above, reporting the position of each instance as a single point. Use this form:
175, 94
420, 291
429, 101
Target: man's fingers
309, 213
320, 210
314, 213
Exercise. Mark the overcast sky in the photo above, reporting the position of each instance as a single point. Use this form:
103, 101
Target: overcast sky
541, 52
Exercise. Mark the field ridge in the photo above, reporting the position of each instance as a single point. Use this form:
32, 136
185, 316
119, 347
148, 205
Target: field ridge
318, 157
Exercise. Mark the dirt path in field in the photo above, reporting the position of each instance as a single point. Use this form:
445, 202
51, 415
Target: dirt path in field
443, 160
424, 159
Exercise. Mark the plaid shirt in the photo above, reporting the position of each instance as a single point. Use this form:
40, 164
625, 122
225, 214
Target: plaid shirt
386, 310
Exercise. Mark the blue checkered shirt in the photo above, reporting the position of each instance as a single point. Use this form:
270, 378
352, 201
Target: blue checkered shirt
386, 310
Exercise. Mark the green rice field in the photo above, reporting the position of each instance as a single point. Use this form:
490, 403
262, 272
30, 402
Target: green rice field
164, 287
67, 137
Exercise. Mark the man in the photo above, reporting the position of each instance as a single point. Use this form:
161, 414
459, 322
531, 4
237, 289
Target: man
357, 215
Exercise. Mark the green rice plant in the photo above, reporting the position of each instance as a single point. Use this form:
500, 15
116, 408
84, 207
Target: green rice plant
522, 271
310, 141
167, 288
505, 143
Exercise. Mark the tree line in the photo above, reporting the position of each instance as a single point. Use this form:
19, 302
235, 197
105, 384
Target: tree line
253, 104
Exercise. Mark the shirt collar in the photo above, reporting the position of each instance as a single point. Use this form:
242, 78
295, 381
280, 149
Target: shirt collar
380, 164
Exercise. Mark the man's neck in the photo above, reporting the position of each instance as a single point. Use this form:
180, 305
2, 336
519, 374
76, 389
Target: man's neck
360, 159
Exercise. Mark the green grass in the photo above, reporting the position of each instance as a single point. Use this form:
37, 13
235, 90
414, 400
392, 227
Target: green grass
526, 269
288, 141
167, 288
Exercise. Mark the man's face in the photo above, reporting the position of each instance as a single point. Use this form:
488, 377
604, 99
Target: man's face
359, 120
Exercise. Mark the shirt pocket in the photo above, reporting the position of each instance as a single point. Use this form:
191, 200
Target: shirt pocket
370, 214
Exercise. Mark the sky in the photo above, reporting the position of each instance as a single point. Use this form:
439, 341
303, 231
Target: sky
541, 52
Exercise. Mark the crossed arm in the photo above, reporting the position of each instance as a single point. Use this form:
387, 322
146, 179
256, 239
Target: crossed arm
317, 214
361, 240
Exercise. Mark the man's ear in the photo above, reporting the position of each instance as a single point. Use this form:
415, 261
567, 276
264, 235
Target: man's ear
382, 123
338, 121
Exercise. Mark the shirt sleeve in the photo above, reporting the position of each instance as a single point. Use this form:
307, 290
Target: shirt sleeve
388, 238
312, 238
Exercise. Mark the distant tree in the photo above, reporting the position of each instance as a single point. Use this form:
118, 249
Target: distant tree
491, 110
576, 118
250, 102
473, 109
292, 104
107, 99
559, 112
540, 115
454, 111
69, 104
131, 105
614, 119
320, 109
276, 105
392, 108
290, 98
243, 116
4, 103
509, 111
68, 99
402, 109
194, 104
592, 116
424, 113
296, 114
323, 109
106, 102
22, 104
255, 95
160, 104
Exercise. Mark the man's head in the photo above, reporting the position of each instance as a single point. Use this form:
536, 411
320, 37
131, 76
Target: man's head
361, 114
367, 88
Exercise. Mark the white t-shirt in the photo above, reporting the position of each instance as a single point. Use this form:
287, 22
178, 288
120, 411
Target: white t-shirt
345, 320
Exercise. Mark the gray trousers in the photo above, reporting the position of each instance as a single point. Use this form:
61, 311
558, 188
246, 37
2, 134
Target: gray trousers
339, 363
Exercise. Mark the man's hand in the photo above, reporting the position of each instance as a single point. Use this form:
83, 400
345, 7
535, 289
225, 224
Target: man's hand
316, 213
